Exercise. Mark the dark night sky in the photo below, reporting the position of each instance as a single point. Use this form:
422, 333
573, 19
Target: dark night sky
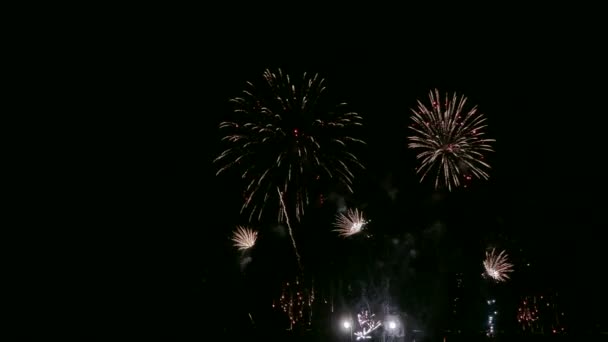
538, 84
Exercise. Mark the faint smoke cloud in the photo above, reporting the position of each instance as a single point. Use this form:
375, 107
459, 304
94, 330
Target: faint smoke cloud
388, 186
280, 230
245, 261
413, 253
436, 230
339, 201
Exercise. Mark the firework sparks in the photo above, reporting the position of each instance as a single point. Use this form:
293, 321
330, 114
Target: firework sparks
450, 141
496, 266
368, 324
244, 238
350, 223
541, 314
293, 240
527, 313
296, 301
282, 137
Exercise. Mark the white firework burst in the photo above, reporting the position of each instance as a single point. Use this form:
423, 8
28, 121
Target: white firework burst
284, 135
497, 266
368, 324
350, 223
450, 141
244, 238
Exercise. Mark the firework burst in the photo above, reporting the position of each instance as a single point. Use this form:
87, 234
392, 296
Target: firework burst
282, 139
497, 266
527, 313
450, 141
244, 238
541, 314
296, 301
368, 324
350, 223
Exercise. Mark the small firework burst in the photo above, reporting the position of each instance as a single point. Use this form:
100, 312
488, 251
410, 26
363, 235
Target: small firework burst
450, 141
350, 223
244, 238
296, 302
527, 313
541, 314
497, 266
368, 324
